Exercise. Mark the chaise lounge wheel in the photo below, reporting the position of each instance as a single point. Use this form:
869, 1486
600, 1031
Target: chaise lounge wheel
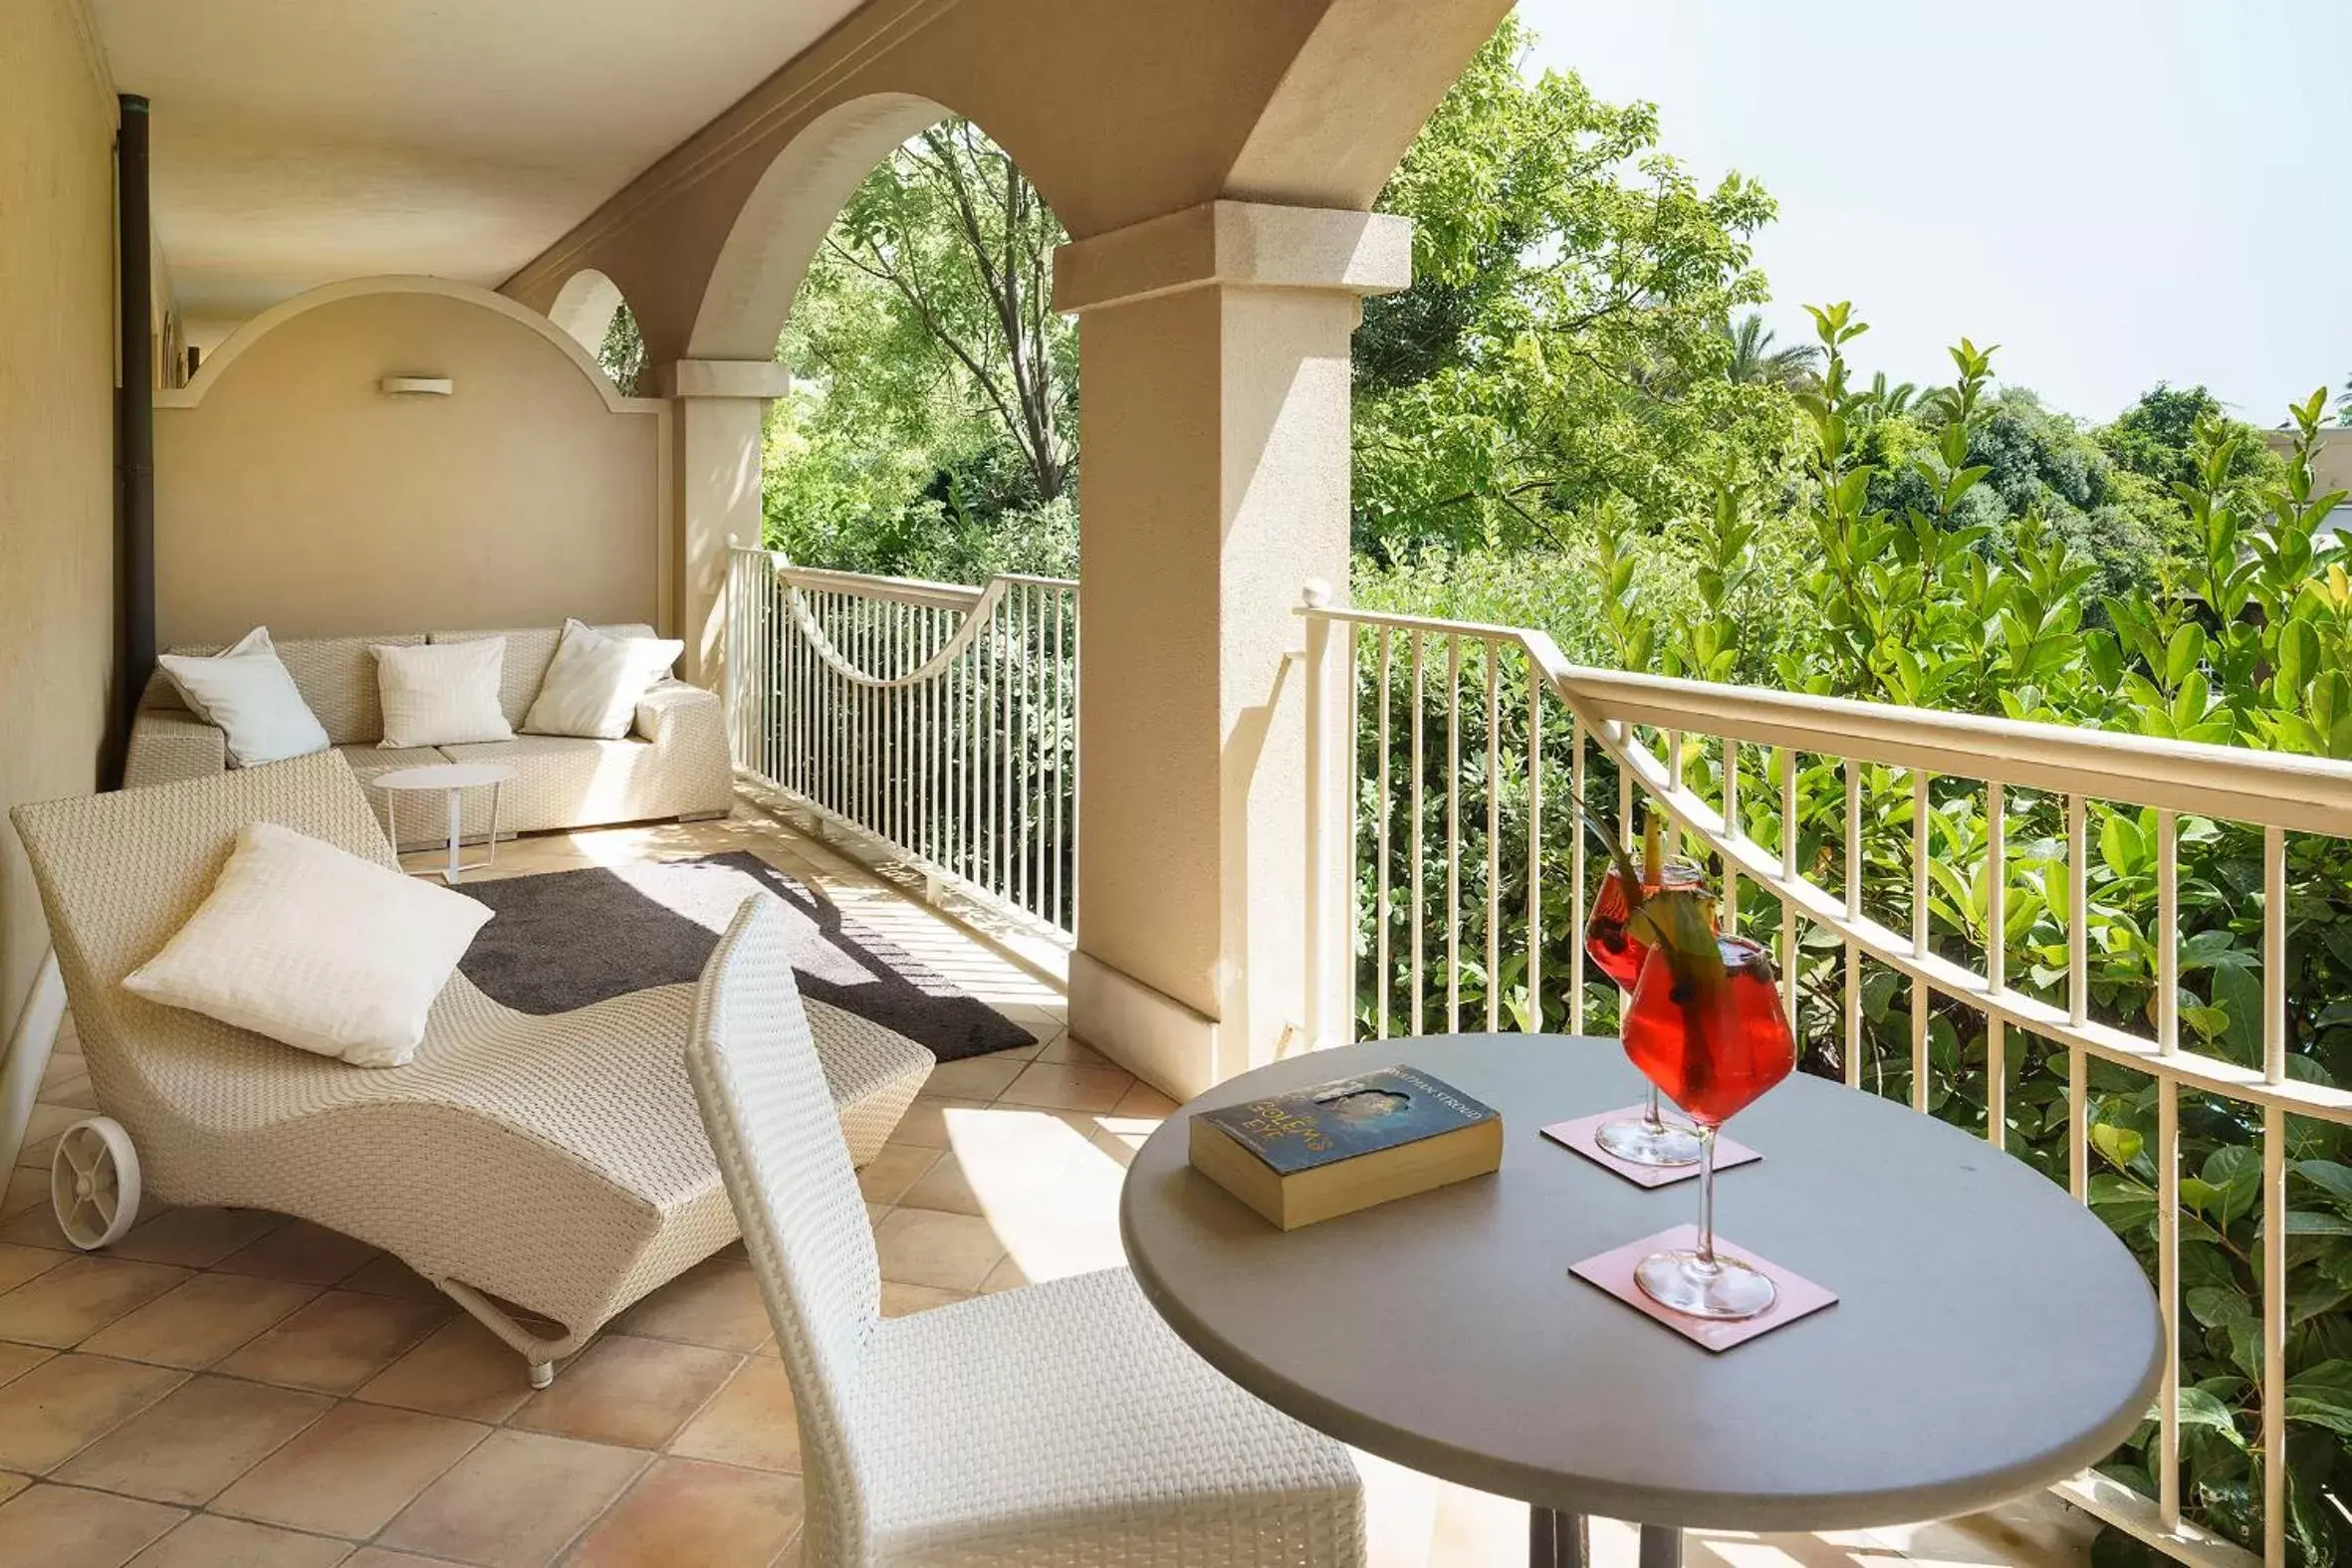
94, 1182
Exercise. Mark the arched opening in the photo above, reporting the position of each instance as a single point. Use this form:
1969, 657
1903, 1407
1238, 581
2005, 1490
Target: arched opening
590, 309
931, 427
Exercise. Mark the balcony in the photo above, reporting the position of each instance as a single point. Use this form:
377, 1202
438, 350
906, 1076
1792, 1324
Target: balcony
1220, 818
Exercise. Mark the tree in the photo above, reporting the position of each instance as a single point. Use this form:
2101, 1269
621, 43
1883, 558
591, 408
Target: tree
932, 426
951, 226
622, 351
1753, 359
1563, 341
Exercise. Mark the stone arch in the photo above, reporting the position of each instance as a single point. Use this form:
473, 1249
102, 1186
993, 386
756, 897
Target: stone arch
781, 223
583, 308
219, 361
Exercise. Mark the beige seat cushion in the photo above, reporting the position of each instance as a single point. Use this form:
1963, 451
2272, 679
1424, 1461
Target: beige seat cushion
564, 779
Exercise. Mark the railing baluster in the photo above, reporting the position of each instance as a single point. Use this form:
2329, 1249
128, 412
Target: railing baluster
1853, 905
2273, 1243
1578, 747
1494, 658
2273, 954
1730, 819
2078, 998
1535, 849
1920, 825
1786, 761
1354, 904
1382, 970
1413, 889
1453, 834
2168, 1299
1996, 879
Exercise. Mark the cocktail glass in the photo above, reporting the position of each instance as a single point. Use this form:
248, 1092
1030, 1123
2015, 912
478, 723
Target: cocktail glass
1713, 1042
1648, 1139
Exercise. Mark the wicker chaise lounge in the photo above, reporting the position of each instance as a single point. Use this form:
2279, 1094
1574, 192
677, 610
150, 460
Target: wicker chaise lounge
533, 1168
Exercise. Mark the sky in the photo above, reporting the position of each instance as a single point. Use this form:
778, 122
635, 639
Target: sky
2117, 192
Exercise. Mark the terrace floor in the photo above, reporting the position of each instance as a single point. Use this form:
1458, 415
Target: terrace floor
235, 1387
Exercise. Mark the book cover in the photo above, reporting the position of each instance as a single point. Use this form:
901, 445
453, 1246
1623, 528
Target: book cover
1337, 1121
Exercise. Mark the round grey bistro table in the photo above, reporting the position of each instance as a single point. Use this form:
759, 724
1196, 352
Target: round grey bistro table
1991, 1335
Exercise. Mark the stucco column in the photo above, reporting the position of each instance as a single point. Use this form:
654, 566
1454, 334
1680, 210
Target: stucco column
1214, 358
722, 407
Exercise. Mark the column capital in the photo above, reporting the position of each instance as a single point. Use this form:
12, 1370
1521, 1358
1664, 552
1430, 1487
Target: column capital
1242, 244
762, 379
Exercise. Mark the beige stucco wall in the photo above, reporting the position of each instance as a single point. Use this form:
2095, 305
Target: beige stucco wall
291, 492
57, 490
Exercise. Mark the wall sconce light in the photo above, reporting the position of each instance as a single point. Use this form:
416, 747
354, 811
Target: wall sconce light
411, 385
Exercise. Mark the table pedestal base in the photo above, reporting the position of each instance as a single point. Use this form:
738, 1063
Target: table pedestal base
1560, 1540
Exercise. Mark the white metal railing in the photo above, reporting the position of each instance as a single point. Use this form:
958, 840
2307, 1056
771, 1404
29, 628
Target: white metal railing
938, 719
1438, 753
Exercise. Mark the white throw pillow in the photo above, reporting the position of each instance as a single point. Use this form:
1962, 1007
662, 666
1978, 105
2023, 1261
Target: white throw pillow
245, 689
441, 693
594, 682
314, 947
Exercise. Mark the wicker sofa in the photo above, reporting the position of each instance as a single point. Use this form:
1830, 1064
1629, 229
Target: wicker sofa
674, 764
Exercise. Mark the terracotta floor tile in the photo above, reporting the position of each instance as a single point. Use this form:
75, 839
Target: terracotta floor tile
64, 1305
47, 1121
67, 1527
17, 1360
899, 1300
35, 1224
65, 1064
892, 1171
388, 1276
34, 1156
1144, 1100
689, 1511
298, 1250
1056, 1086
921, 1247
336, 1343
77, 1092
715, 1303
632, 1392
926, 1120
187, 1447
210, 1541
11, 1483
515, 1501
751, 1423
1069, 1053
24, 1189
944, 1186
377, 1557
20, 1264
201, 1321
975, 1077
1007, 1275
196, 1237
462, 1370
57, 1408
352, 1471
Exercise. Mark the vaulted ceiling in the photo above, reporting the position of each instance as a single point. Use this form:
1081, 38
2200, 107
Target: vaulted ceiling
298, 141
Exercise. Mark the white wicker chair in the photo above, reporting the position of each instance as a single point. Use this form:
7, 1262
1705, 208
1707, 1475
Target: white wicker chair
555, 1164
1060, 1424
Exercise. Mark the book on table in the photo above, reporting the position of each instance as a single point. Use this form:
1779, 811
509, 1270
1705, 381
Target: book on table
1317, 1153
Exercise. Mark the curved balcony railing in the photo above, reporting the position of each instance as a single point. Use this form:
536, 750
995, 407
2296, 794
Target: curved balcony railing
1949, 860
937, 721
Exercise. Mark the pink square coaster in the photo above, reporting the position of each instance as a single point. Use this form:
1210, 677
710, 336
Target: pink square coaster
1613, 1273
1579, 1136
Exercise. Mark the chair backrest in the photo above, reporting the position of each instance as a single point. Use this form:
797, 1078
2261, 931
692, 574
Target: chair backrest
772, 1123
118, 873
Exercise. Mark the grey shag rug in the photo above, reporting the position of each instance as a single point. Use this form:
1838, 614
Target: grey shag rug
566, 939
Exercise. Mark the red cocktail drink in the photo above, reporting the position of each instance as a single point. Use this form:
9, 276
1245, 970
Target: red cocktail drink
1706, 1027
1615, 951
1712, 1047
1614, 941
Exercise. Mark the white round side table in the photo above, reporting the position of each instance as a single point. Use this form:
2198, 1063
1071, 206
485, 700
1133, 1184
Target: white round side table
453, 778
